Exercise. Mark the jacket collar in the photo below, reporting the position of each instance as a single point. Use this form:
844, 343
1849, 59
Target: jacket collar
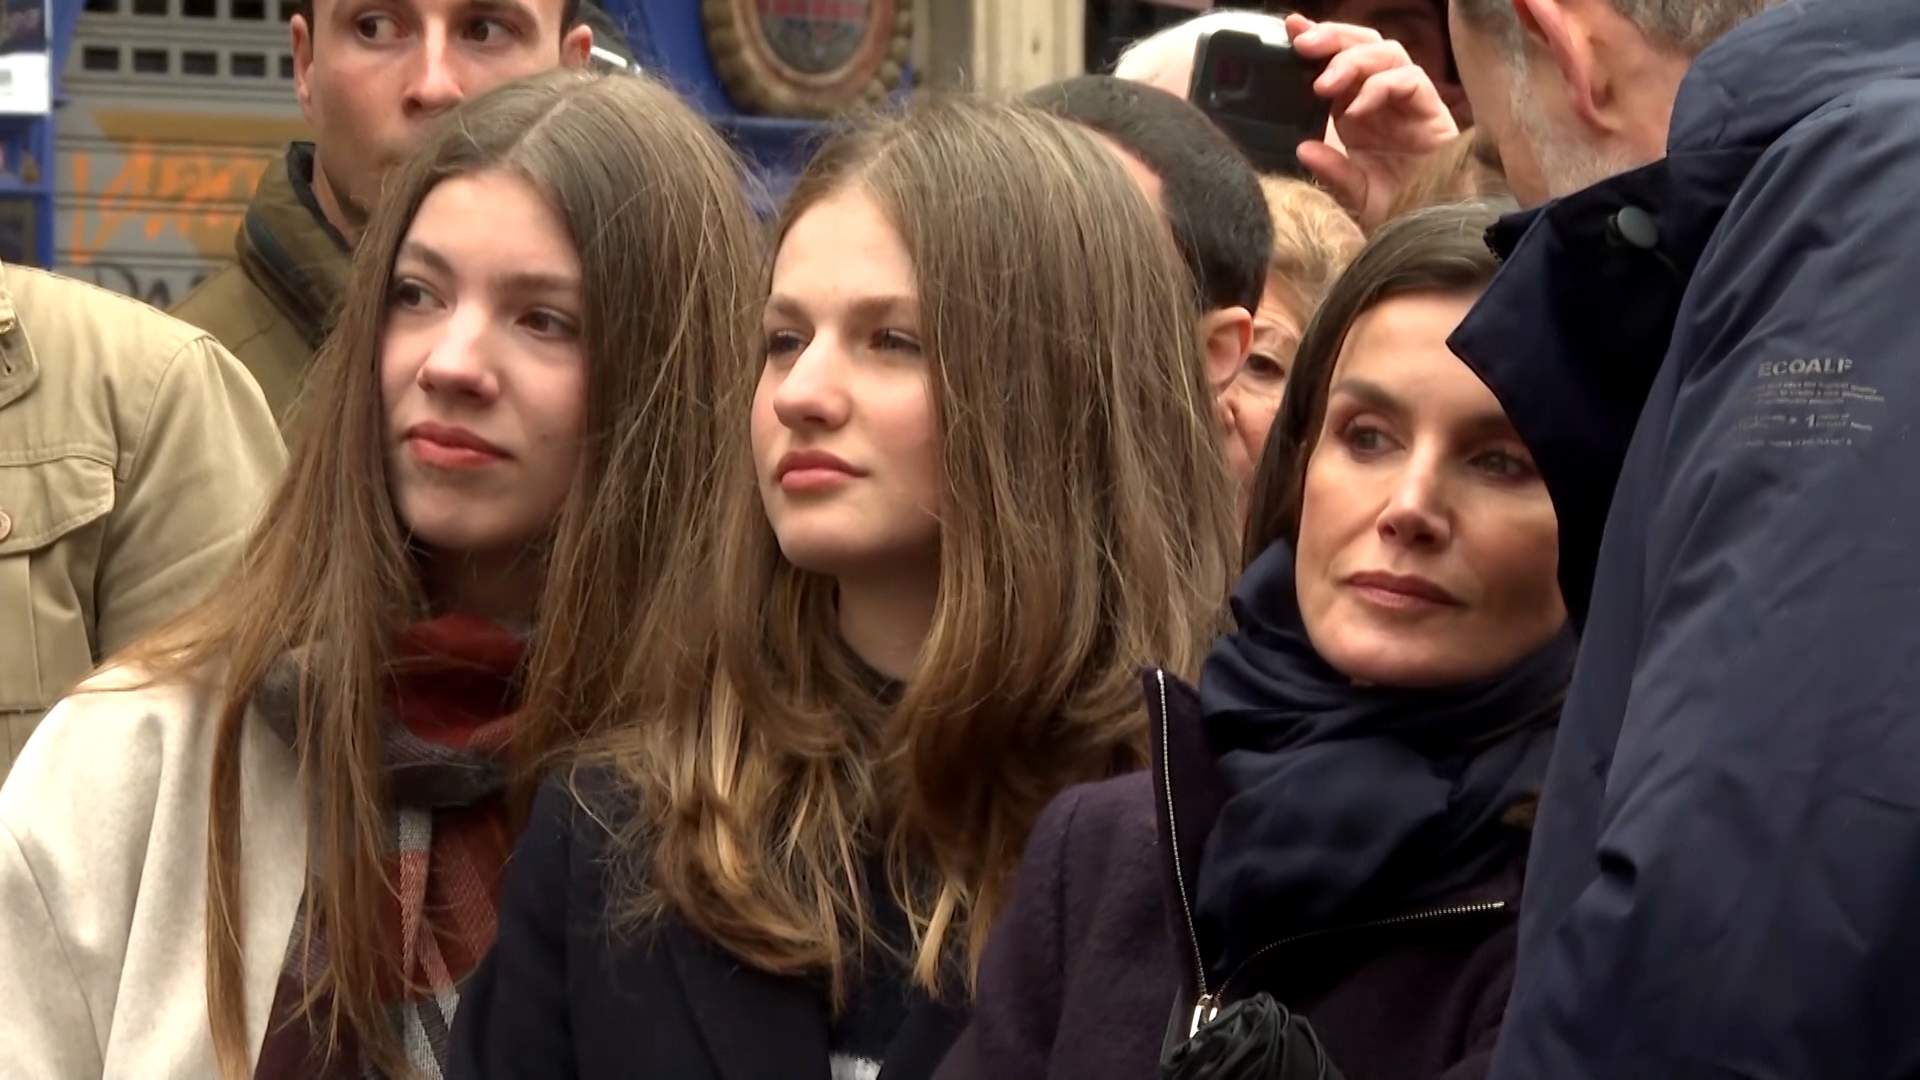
1569, 336
288, 248
1576, 325
19, 368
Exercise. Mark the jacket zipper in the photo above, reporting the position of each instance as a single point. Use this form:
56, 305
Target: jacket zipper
1207, 1005
1212, 1006
1206, 1002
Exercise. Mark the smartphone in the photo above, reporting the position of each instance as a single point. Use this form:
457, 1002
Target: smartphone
1261, 95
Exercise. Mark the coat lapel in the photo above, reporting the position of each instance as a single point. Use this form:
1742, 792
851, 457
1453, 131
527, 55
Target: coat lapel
756, 1026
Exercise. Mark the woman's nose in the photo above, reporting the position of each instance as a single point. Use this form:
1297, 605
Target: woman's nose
814, 391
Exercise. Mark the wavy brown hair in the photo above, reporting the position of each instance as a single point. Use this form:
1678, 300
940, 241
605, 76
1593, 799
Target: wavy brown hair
668, 249
1087, 532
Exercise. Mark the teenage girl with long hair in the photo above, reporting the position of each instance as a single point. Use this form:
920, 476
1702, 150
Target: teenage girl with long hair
976, 488
268, 843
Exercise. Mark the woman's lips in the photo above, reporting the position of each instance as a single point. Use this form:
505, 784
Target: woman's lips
1401, 592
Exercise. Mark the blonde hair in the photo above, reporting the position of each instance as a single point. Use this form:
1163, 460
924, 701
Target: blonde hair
1466, 167
652, 200
1087, 532
1313, 240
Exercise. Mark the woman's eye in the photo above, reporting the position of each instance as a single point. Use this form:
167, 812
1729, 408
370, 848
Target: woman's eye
548, 324
896, 341
1364, 438
784, 343
1266, 368
1504, 465
410, 295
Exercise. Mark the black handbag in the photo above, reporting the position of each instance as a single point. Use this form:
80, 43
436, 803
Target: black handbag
1255, 1038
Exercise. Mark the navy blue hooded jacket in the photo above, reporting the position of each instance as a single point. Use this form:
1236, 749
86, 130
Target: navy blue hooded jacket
1716, 359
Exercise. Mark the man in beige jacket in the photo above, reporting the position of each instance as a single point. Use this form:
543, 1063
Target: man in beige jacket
135, 454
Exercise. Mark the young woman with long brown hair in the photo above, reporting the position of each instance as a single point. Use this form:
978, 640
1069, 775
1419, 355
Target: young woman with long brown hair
269, 842
979, 488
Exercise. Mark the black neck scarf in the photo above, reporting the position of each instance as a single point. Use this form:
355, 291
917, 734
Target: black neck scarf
1349, 802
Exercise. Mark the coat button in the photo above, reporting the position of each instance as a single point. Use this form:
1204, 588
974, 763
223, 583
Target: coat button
6, 525
1635, 228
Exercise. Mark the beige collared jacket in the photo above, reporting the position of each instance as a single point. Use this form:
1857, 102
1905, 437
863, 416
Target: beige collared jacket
135, 455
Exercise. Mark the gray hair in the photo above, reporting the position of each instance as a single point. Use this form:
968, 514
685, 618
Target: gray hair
1165, 59
1687, 26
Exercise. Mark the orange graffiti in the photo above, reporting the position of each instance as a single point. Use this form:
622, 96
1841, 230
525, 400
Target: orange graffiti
188, 172
154, 190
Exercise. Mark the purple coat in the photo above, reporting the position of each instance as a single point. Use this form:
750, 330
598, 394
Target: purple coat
1094, 964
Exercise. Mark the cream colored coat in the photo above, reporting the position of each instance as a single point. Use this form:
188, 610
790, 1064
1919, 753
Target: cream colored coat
103, 866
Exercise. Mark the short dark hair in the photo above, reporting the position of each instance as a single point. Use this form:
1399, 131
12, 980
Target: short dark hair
1439, 249
1209, 192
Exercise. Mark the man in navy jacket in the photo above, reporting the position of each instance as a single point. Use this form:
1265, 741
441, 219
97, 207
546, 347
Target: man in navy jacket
1711, 343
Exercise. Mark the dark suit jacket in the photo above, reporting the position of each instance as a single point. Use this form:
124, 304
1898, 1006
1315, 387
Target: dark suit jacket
563, 996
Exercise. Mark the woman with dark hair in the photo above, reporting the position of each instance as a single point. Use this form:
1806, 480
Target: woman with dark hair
1335, 821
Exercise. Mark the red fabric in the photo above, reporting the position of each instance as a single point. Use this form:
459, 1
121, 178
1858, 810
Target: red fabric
456, 685
452, 700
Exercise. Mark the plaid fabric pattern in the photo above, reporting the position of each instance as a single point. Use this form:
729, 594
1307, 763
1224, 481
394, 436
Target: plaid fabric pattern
455, 685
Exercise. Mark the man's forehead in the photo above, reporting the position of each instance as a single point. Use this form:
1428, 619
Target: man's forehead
446, 8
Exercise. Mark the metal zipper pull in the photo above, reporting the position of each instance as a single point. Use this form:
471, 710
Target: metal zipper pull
1204, 1011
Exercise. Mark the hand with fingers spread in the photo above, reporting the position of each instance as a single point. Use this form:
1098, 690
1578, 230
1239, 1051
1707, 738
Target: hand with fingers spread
1386, 116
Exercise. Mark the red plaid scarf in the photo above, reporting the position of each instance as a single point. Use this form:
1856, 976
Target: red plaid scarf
454, 691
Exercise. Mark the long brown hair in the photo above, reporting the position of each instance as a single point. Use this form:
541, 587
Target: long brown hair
668, 249
1087, 532
1439, 249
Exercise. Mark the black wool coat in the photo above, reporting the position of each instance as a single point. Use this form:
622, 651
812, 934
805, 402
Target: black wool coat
562, 995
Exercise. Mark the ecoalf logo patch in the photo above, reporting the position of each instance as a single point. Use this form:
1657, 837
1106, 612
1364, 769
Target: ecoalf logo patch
1810, 402
1822, 365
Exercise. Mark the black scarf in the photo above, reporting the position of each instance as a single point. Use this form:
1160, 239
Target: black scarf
1354, 802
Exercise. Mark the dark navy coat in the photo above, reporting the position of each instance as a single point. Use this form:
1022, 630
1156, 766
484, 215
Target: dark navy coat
1716, 361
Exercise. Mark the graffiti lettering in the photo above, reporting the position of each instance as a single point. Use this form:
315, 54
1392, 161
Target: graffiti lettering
153, 287
166, 183
195, 195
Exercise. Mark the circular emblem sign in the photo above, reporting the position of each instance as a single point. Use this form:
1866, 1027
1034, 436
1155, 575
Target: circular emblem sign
808, 57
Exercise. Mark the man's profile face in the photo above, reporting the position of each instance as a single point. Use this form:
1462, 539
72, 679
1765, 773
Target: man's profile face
372, 75
1487, 75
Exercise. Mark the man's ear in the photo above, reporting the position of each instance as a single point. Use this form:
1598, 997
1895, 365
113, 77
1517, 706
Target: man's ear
1227, 336
1559, 29
576, 45
302, 33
